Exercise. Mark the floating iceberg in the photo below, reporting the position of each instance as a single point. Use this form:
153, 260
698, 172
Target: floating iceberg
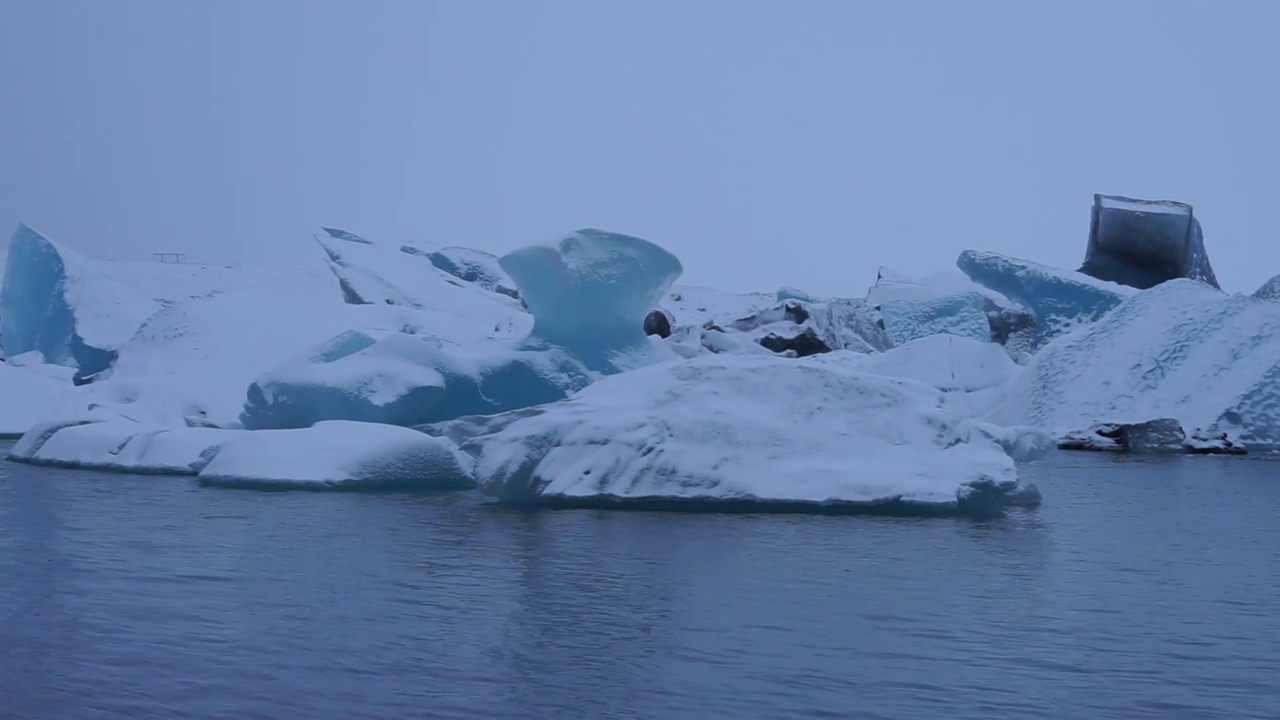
407, 380
1060, 300
338, 455
590, 292
120, 447
61, 304
1142, 243
749, 432
1181, 350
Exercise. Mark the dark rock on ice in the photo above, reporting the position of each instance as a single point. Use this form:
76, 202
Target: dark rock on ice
803, 345
1204, 442
1152, 436
657, 323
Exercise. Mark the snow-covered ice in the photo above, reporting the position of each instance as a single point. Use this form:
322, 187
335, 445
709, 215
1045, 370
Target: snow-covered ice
1181, 350
403, 379
743, 430
121, 446
589, 292
946, 362
29, 395
63, 305
1060, 300
338, 455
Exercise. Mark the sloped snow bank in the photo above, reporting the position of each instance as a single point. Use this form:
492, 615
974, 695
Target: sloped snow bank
338, 455
29, 396
947, 362
749, 432
1181, 350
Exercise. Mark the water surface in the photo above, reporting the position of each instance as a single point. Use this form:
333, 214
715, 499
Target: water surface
1141, 589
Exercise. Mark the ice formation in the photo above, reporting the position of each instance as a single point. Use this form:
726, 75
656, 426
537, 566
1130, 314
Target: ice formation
1060, 300
28, 396
948, 303
405, 379
590, 292
1181, 350
1270, 289
950, 363
1142, 243
61, 304
369, 274
120, 446
749, 431
338, 455
473, 266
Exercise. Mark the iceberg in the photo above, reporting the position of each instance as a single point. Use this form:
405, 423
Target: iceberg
1180, 350
403, 379
338, 455
61, 304
1060, 300
748, 432
590, 292
120, 446
1142, 243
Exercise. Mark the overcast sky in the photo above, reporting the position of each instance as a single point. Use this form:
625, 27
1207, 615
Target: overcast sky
798, 142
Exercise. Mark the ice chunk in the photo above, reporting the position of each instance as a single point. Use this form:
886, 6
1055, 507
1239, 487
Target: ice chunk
1180, 350
28, 396
407, 380
1270, 289
122, 447
338, 455
1060, 300
1023, 444
590, 292
61, 304
1142, 243
947, 362
748, 432
804, 329
952, 304
1162, 435
1205, 442
789, 293
473, 266
369, 274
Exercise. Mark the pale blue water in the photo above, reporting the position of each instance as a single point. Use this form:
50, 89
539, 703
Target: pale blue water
1140, 590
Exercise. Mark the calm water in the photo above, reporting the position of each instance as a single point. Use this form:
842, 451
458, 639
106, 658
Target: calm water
1140, 590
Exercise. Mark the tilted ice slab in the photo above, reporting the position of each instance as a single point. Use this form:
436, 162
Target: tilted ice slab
912, 309
748, 431
120, 446
1061, 300
590, 292
338, 455
1142, 243
404, 379
61, 304
370, 274
469, 265
1181, 350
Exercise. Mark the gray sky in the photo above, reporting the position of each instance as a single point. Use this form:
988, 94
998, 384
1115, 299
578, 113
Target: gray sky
800, 142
